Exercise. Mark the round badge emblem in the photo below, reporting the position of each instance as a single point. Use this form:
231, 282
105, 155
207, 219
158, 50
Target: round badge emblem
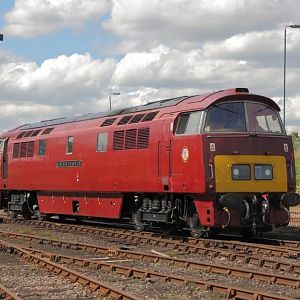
185, 154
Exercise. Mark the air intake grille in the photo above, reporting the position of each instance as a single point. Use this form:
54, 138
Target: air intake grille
30, 149
118, 140
16, 150
25, 149
143, 138
130, 139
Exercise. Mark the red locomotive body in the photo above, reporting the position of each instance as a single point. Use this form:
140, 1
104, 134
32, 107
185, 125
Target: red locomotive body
220, 160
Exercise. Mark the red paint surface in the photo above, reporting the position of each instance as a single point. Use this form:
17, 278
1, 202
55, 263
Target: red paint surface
88, 206
206, 212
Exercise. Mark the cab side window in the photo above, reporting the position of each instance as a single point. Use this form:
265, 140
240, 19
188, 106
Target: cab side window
189, 123
1, 145
70, 141
42, 147
102, 142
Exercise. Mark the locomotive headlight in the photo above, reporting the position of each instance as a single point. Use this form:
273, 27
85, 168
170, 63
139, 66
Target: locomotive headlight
263, 172
241, 172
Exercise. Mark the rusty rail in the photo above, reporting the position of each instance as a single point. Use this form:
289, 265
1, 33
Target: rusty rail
7, 294
95, 285
206, 267
286, 249
227, 290
203, 267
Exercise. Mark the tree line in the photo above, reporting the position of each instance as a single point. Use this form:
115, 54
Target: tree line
296, 142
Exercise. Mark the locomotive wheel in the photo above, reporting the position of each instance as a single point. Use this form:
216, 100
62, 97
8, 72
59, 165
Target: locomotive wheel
196, 229
26, 212
137, 221
40, 216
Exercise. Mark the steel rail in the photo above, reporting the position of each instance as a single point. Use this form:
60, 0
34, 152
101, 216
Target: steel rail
184, 244
228, 290
126, 254
202, 267
7, 294
100, 287
210, 252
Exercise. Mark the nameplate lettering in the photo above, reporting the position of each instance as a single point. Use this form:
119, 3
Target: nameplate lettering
69, 163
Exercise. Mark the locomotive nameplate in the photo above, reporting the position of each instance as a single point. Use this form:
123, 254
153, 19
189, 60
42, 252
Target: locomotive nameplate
69, 163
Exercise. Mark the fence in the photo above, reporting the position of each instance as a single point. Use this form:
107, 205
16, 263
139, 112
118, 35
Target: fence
295, 216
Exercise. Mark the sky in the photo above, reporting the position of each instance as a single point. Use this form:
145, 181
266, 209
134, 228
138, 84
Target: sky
64, 58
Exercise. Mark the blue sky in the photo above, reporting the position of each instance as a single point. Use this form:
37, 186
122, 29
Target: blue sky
67, 41
63, 58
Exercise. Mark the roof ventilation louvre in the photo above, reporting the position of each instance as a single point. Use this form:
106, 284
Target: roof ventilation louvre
124, 120
150, 116
21, 134
28, 133
242, 90
136, 118
108, 122
36, 132
47, 130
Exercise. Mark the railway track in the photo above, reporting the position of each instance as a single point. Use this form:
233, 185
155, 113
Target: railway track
237, 252
47, 258
257, 262
287, 249
101, 288
7, 294
255, 259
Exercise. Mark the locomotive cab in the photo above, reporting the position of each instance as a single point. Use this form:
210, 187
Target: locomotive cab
252, 175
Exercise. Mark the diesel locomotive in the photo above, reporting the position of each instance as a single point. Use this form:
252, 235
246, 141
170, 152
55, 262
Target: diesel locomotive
207, 163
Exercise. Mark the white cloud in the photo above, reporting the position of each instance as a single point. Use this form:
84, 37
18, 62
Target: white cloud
66, 85
61, 80
187, 23
31, 18
164, 67
251, 45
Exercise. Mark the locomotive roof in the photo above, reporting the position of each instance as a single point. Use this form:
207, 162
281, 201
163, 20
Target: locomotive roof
205, 99
90, 116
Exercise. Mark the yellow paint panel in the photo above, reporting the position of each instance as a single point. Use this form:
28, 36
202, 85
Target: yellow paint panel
224, 182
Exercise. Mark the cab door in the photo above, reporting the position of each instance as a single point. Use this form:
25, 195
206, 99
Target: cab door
3, 162
164, 155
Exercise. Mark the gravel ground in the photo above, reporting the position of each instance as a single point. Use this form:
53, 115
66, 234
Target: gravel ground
146, 289
32, 283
